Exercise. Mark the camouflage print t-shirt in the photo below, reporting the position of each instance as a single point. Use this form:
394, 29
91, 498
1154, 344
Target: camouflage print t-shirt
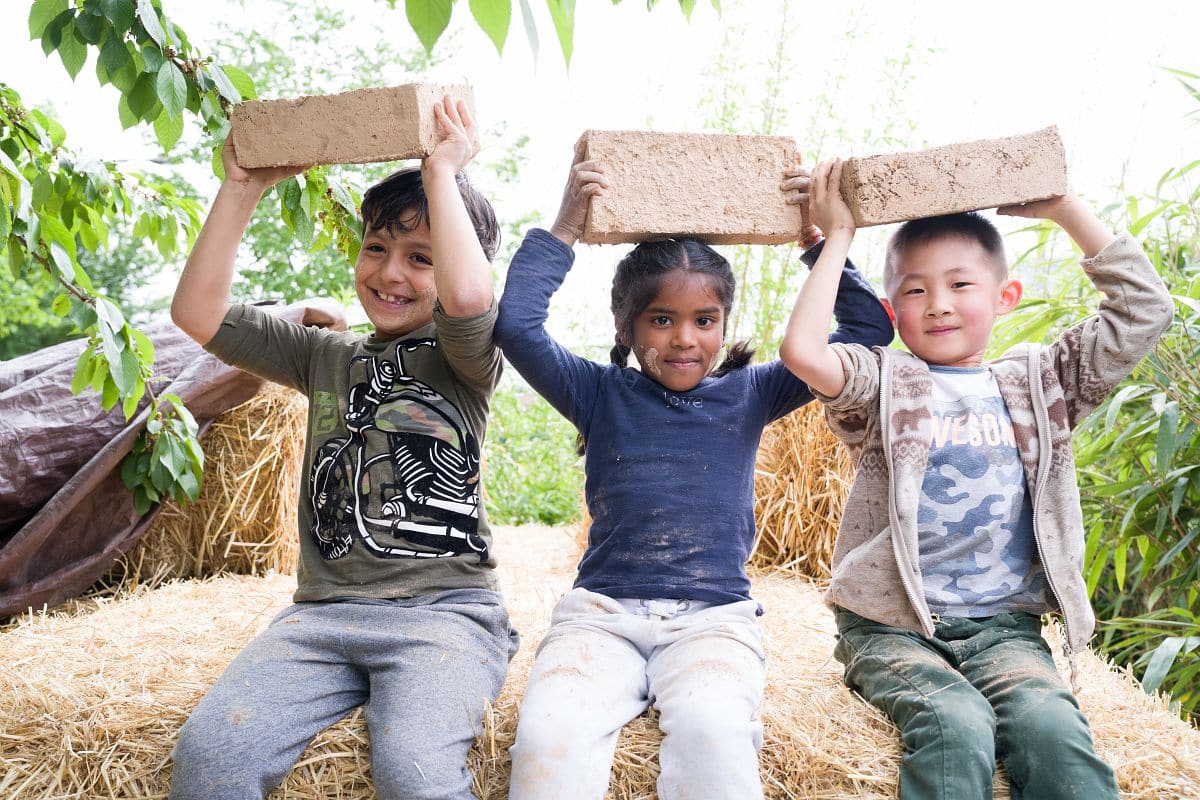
975, 523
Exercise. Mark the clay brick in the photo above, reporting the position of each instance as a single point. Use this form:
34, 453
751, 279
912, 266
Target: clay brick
960, 177
722, 188
366, 125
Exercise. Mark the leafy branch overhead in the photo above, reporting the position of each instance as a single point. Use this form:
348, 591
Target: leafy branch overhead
430, 18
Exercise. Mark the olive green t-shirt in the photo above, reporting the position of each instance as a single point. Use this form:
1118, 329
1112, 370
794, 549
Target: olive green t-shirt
390, 496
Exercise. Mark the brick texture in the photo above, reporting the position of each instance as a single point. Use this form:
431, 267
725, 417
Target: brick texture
960, 177
367, 125
722, 188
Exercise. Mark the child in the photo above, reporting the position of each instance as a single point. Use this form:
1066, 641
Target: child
397, 609
661, 611
963, 524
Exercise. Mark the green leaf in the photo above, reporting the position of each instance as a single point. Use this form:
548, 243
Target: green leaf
493, 17
530, 27
91, 28
83, 371
172, 89
129, 407
1168, 426
563, 14
52, 36
225, 86
83, 315
61, 305
55, 131
428, 19
72, 51
1160, 662
113, 55
168, 129
143, 96
152, 58
241, 81
687, 6
125, 113
141, 502
110, 394
119, 12
143, 346
41, 13
149, 20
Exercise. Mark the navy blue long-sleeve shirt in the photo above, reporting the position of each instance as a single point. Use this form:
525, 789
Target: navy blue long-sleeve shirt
669, 476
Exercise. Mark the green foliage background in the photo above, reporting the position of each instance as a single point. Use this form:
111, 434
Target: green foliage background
81, 240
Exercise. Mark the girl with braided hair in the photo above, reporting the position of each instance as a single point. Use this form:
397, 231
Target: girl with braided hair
661, 612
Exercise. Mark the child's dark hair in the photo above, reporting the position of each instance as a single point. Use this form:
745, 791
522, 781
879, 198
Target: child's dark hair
391, 204
970, 226
639, 278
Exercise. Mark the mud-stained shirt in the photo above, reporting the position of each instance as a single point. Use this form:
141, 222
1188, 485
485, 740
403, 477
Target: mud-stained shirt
390, 496
975, 522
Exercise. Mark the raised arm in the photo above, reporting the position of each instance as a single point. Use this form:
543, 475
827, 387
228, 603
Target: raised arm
538, 268
1093, 357
202, 296
805, 347
461, 270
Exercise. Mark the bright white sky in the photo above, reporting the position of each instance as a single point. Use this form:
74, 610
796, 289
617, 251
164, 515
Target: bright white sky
973, 71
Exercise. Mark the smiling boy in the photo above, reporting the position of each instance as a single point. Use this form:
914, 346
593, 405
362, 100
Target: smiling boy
963, 525
397, 607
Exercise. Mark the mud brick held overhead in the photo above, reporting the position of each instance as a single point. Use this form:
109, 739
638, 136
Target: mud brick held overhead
959, 177
359, 127
722, 188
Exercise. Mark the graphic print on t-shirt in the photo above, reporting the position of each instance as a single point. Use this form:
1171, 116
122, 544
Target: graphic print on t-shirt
975, 524
405, 481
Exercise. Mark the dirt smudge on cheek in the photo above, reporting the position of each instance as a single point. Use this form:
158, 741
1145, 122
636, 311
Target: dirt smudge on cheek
651, 357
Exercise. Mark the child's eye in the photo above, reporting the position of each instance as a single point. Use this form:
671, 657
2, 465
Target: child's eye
375, 248
421, 258
705, 322
915, 291
960, 284
660, 321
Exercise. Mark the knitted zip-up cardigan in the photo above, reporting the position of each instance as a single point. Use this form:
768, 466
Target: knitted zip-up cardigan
882, 416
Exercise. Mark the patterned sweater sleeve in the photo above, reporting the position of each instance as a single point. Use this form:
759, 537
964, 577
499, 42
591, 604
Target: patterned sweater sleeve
567, 381
850, 413
1091, 358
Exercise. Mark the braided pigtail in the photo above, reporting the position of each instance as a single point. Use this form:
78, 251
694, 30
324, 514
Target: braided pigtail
619, 354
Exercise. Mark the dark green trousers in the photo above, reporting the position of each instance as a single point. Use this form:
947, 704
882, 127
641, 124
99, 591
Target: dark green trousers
978, 691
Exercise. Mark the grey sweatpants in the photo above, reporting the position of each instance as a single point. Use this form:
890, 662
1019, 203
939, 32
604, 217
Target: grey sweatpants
420, 667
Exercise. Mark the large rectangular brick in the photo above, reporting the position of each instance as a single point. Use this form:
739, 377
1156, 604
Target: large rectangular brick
366, 125
959, 177
722, 188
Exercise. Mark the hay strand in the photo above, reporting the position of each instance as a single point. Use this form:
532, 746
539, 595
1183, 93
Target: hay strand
801, 480
92, 701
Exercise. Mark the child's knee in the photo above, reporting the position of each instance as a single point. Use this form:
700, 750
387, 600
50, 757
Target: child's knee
959, 718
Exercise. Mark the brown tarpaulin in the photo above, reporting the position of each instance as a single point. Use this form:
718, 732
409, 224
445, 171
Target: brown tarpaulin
65, 514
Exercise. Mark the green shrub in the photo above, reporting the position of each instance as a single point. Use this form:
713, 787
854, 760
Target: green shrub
531, 471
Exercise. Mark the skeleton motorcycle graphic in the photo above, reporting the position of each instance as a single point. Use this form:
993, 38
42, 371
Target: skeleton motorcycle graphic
405, 481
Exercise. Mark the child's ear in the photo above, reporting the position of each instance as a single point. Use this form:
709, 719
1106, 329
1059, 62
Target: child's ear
891, 312
1010, 296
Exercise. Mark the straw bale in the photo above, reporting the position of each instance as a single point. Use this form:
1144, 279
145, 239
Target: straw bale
91, 702
244, 520
801, 480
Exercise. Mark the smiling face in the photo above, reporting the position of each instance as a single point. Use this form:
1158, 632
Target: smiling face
677, 338
946, 295
394, 277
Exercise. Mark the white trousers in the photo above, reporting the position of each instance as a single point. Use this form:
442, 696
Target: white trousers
604, 661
